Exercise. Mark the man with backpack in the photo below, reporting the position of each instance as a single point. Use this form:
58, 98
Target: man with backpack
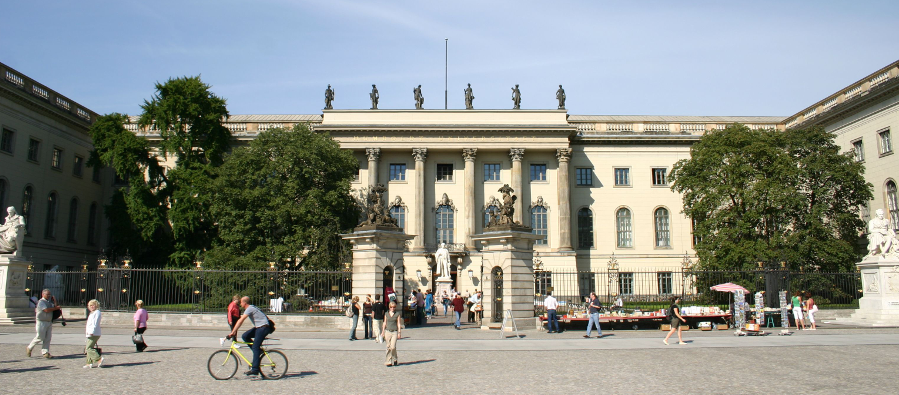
262, 327
593, 307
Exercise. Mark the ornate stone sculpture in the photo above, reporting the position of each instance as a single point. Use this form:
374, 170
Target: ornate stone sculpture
12, 233
560, 96
507, 209
419, 99
442, 258
329, 97
516, 98
374, 97
881, 236
469, 98
378, 215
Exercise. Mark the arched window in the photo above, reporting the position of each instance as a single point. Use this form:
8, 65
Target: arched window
27, 201
3, 194
623, 228
893, 204
73, 220
399, 214
490, 210
52, 210
92, 224
445, 224
584, 228
538, 222
663, 235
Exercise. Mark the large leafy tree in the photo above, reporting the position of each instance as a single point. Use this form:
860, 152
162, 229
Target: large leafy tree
287, 192
770, 195
162, 216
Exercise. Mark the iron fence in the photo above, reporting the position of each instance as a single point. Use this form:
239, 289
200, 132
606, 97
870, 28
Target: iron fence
197, 291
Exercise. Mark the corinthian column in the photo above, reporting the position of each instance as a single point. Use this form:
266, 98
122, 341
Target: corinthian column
373, 155
469, 154
517, 154
418, 222
564, 156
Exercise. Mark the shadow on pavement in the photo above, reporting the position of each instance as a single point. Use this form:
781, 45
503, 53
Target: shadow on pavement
126, 364
34, 369
164, 349
415, 362
299, 374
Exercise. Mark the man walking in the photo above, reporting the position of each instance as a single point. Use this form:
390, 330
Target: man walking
458, 308
420, 305
551, 318
378, 311
594, 306
429, 304
43, 325
256, 334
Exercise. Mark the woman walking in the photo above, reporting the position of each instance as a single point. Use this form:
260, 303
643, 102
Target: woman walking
93, 334
797, 310
393, 330
367, 317
354, 305
140, 325
676, 319
446, 302
811, 308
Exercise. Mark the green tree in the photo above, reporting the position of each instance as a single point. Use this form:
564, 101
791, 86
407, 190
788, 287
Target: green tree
770, 195
162, 216
287, 191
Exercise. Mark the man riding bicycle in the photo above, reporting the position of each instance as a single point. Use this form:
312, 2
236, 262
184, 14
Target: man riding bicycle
256, 335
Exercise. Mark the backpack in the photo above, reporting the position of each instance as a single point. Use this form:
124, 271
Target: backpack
349, 311
271, 325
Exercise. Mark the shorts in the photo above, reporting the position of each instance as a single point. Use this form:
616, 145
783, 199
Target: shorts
811, 316
797, 313
675, 322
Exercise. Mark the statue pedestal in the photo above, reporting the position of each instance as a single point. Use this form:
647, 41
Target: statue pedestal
376, 249
442, 284
508, 275
880, 284
13, 300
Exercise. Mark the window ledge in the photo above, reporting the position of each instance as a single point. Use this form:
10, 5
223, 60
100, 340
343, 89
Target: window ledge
888, 153
398, 182
6, 152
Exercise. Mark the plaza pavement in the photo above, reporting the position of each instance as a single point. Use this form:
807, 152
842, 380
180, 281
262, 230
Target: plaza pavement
439, 359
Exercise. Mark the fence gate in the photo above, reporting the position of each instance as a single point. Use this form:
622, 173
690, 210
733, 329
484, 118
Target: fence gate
497, 277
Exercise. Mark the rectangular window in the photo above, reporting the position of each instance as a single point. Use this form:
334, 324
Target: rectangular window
543, 281
538, 172
491, 171
96, 174
356, 176
56, 159
586, 283
6, 141
622, 177
858, 148
626, 283
886, 145
665, 283
584, 176
658, 176
397, 172
444, 172
78, 166
34, 149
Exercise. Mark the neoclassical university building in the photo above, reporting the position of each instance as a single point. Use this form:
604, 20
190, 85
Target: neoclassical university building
596, 186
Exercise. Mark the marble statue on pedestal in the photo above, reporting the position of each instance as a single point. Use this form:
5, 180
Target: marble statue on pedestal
881, 237
12, 233
419, 98
329, 97
560, 96
516, 98
443, 261
374, 97
469, 98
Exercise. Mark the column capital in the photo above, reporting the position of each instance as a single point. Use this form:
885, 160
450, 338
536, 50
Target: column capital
373, 153
420, 154
516, 154
563, 154
469, 154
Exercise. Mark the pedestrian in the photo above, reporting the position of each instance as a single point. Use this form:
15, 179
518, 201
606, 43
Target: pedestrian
446, 302
367, 317
92, 331
393, 331
420, 302
478, 307
354, 305
458, 308
594, 306
429, 304
378, 309
471, 302
255, 335
797, 311
233, 311
413, 306
675, 319
552, 319
810, 308
43, 324
140, 325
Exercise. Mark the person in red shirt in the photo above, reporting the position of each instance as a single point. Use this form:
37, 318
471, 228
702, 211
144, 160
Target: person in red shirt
458, 308
233, 311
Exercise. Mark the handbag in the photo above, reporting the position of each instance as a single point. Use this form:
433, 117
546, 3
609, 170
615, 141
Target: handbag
137, 338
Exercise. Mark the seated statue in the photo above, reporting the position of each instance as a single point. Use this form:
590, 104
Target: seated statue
12, 233
880, 235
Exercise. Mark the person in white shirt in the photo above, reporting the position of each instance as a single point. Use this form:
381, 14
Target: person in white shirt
551, 305
93, 334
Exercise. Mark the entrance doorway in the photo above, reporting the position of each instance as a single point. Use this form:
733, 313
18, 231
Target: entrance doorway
497, 277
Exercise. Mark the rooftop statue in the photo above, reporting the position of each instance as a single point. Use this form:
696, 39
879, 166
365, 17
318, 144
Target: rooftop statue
516, 98
329, 97
469, 98
560, 96
374, 97
12, 233
419, 99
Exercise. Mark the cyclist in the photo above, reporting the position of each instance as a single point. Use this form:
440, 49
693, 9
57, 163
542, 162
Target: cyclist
256, 335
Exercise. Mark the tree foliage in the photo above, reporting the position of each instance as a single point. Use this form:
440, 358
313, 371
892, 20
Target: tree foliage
287, 191
766, 195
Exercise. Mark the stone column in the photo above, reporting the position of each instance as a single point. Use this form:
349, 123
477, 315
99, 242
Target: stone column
517, 154
420, 154
373, 155
468, 204
564, 156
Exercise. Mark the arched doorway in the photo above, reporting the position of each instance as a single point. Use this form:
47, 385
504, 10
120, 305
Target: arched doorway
497, 277
387, 283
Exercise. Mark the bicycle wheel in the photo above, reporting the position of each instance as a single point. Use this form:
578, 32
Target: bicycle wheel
222, 365
273, 364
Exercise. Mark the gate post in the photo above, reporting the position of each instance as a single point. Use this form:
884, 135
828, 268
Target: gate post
510, 249
375, 248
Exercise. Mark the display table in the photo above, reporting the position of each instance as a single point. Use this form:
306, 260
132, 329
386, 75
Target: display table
692, 320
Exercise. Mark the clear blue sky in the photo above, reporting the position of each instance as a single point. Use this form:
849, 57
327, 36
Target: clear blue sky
613, 57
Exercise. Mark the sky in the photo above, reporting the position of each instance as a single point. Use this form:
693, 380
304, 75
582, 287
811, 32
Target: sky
612, 57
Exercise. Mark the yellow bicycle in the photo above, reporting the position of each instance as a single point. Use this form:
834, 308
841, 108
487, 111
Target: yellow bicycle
223, 364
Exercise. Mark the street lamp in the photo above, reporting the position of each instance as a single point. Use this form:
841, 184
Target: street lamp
101, 260
126, 260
